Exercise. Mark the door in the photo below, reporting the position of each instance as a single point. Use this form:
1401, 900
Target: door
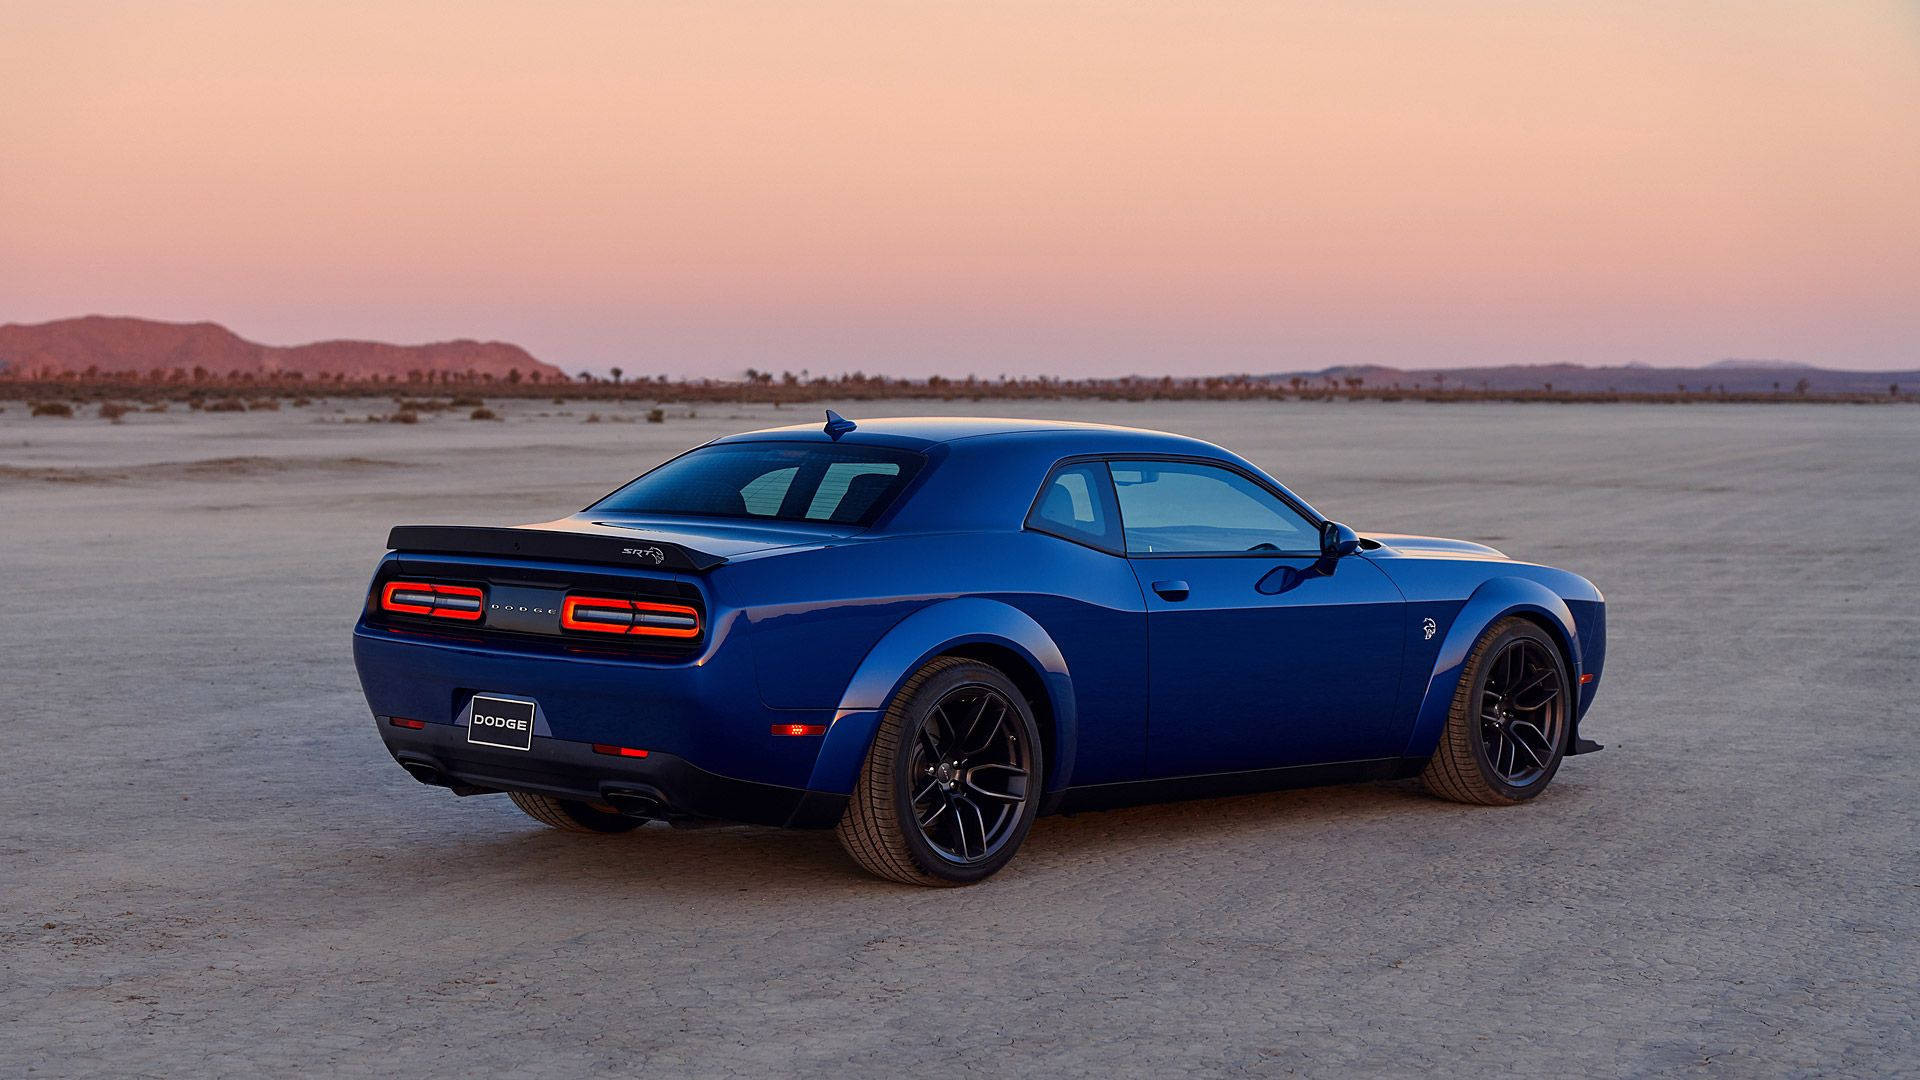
1261, 653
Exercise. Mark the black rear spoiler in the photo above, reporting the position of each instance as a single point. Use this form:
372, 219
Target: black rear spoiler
550, 544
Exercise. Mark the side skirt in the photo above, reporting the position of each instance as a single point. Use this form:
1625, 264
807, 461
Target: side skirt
1216, 785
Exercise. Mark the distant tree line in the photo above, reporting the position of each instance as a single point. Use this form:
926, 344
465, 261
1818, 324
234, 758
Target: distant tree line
95, 384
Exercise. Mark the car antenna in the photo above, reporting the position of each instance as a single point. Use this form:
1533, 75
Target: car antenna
838, 425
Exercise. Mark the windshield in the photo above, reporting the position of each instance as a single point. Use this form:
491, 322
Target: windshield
772, 481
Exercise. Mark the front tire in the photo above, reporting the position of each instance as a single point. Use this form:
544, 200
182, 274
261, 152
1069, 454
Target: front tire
1507, 731
951, 783
569, 816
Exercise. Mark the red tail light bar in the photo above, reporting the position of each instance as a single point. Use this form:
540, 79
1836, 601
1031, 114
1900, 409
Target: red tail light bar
602, 615
618, 751
439, 601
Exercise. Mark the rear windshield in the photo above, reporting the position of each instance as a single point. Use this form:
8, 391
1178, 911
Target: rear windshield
828, 483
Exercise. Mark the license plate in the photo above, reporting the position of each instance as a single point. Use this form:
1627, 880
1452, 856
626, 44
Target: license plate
502, 722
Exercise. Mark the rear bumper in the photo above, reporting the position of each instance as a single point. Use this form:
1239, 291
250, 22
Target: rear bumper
658, 785
705, 709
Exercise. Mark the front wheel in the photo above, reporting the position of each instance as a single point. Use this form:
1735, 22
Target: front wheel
951, 783
1507, 730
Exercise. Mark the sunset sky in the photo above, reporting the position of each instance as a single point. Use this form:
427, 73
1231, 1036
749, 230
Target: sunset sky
1071, 188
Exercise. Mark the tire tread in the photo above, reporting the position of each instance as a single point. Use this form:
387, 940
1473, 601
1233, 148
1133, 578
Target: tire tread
1454, 771
869, 830
554, 813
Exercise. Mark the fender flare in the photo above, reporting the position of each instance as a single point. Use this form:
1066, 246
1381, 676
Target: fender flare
1493, 600
938, 628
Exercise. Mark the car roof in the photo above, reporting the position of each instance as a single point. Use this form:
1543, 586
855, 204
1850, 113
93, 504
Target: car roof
921, 432
993, 466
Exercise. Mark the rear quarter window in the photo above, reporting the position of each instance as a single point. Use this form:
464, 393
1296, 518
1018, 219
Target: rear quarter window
1077, 503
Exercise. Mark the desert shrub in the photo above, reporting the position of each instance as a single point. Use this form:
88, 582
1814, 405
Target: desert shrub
467, 401
592, 418
420, 405
265, 404
227, 404
559, 401
113, 410
404, 416
656, 416
483, 414
302, 402
50, 408
158, 406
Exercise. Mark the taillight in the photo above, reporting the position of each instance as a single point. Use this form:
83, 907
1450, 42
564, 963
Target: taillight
602, 615
438, 601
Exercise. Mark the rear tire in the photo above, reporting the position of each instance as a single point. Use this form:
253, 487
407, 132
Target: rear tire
1508, 728
569, 816
951, 784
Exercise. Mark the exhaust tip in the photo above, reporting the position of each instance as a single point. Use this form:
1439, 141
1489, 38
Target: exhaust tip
425, 773
640, 804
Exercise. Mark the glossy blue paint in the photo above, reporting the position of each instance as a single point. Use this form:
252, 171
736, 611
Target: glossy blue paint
1269, 660
948, 626
1304, 670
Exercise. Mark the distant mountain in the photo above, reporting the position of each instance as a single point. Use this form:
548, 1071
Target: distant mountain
117, 344
1740, 377
1763, 365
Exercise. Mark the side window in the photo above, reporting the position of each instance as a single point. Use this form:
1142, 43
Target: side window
1077, 504
1182, 507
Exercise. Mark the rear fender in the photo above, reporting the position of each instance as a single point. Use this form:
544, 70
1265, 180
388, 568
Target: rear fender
940, 628
1494, 600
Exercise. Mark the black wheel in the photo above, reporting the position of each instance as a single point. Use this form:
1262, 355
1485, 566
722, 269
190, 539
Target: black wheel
1507, 731
952, 781
570, 816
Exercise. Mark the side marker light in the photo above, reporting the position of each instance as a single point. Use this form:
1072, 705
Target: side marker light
617, 751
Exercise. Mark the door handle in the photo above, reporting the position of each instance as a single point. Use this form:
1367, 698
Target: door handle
1171, 590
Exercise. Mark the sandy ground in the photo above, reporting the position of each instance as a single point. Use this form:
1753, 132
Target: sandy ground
209, 865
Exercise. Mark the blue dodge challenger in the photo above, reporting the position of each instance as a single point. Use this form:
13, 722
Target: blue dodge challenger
924, 633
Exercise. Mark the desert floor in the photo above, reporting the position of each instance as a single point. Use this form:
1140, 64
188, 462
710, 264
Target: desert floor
208, 863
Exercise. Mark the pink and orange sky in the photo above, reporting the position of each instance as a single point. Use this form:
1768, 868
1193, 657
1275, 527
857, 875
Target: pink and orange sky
909, 187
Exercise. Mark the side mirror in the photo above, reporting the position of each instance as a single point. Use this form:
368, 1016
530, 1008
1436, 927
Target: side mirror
1337, 540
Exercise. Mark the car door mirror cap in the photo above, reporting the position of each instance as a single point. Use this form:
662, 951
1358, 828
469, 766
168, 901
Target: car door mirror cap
1337, 540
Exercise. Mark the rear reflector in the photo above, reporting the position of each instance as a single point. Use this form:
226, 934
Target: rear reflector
617, 751
439, 601
799, 729
1587, 678
604, 615
401, 721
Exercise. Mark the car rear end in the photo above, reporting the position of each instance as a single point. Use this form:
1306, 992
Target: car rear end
587, 668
